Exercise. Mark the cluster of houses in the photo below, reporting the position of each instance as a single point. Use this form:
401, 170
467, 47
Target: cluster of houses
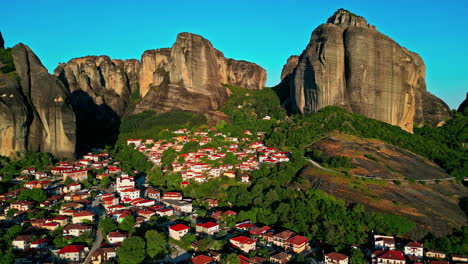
75, 213
208, 163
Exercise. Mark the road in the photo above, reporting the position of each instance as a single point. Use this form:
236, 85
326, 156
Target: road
377, 178
99, 210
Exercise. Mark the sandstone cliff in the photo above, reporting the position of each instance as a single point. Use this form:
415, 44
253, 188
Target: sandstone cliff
289, 67
36, 114
349, 63
189, 75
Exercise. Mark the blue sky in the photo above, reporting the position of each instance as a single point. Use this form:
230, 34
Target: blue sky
264, 32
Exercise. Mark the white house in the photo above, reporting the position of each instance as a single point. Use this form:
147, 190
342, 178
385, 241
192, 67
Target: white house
178, 231
335, 258
414, 249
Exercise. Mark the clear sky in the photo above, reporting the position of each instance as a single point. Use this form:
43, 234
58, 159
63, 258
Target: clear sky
265, 32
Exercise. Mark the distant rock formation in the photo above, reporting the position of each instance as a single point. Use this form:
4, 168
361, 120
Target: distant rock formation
35, 113
348, 63
2, 42
463, 108
189, 76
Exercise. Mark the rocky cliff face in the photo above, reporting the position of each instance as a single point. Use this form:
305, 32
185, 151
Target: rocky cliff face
463, 108
189, 75
289, 67
35, 109
349, 63
2, 42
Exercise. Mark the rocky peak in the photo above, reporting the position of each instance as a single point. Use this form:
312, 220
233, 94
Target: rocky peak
344, 18
289, 67
2, 42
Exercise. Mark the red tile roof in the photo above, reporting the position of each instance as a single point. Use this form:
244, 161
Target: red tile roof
71, 249
83, 213
202, 259
391, 254
336, 256
244, 240
297, 240
208, 225
413, 244
179, 227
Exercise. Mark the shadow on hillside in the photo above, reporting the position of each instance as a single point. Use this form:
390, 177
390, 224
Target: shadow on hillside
97, 125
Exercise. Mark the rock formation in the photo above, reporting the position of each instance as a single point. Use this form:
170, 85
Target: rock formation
289, 67
35, 109
189, 75
2, 42
349, 63
463, 108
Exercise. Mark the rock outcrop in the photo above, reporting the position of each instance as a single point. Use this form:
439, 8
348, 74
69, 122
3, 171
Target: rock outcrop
348, 63
189, 76
289, 67
2, 42
463, 108
35, 109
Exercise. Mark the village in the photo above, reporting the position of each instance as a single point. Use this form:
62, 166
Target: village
82, 195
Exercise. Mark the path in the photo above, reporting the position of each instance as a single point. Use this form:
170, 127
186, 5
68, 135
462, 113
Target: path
95, 206
314, 163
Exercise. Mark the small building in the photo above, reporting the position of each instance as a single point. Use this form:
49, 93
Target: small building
414, 249
298, 244
335, 258
40, 243
76, 175
22, 205
459, 258
102, 255
202, 259
280, 238
388, 257
116, 237
178, 231
76, 230
22, 242
73, 253
153, 193
280, 258
81, 216
208, 228
172, 196
435, 254
245, 244
384, 242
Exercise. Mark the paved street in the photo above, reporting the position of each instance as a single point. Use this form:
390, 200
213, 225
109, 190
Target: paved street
100, 213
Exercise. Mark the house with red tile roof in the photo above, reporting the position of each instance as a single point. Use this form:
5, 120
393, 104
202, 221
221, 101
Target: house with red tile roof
202, 259
208, 228
103, 254
384, 242
116, 237
40, 243
83, 215
280, 238
335, 258
243, 243
76, 230
178, 231
414, 249
388, 257
76, 175
73, 253
22, 242
297, 244
281, 258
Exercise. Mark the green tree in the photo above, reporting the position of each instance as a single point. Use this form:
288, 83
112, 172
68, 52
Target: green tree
38, 195
168, 157
357, 257
12, 232
156, 244
107, 225
127, 223
231, 259
132, 251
